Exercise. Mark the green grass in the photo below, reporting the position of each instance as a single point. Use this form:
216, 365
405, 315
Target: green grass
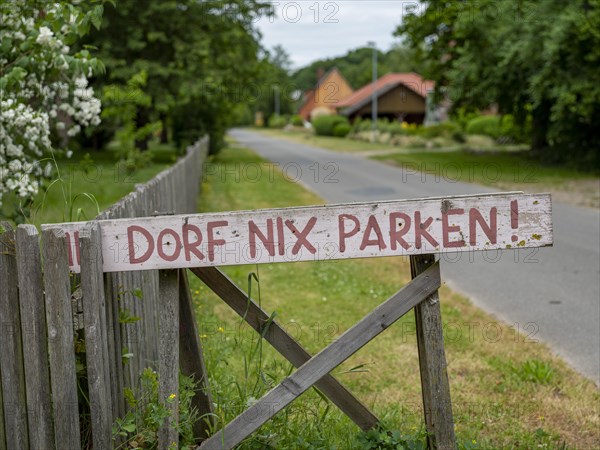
99, 178
508, 390
485, 168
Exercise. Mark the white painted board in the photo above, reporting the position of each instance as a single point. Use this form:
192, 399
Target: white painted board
357, 230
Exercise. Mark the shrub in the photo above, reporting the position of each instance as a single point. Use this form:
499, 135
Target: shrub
383, 125
324, 125
297, 121
500, 128
395, 129
486, 126
365, 125
445, 129
276, 121
341, 130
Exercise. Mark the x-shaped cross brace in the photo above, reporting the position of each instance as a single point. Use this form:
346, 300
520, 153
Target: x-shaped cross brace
315, 370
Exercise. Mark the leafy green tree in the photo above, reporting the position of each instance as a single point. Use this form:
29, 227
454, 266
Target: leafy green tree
528, 58
195, 55
275, 87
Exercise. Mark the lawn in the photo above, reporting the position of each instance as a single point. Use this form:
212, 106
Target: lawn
508, 390
93, 177
504, 170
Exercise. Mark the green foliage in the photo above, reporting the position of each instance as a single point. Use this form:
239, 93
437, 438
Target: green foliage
531, 59
342, 129
382, 439
297, 121
501, 128
395, 129
324, 125
139, 427
274, 85
123, 106
202, 62
444, 129
276, 121
485, 125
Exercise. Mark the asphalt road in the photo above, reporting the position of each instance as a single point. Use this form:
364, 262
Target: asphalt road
550, 294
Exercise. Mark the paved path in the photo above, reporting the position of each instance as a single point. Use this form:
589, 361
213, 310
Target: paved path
551, 293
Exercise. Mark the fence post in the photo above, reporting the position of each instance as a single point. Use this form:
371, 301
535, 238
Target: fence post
96, 349
33, 332
432, 364
168, 354
2, 434
61, 354
11, 356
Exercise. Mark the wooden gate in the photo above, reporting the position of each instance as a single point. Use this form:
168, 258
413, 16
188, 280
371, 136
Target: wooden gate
417, 228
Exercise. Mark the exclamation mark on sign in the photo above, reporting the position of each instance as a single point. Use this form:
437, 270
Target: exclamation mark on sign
514, 218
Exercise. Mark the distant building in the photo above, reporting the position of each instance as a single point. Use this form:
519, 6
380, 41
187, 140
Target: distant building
400, 97
326, 95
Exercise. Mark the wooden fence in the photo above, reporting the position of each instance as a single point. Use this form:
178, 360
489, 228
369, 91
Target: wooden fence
43, 319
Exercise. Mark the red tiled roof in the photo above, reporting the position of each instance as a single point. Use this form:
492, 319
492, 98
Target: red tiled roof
411, 80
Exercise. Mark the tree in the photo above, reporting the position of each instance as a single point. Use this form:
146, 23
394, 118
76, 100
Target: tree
538, 59
45, 97
194, 53
275, 86
357, 66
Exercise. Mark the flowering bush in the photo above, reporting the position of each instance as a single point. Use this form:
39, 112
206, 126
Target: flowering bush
44, 93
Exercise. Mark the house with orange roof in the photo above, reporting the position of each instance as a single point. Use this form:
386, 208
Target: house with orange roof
400, 97
326, 95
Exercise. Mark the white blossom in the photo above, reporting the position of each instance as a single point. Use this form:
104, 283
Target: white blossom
45, 36
52, 94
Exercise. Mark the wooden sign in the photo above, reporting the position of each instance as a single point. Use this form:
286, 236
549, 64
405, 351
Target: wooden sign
358, 230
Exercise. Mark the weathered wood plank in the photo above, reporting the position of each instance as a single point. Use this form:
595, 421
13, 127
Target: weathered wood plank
285, 344
432, 363
326, 360
11, 356
94, 310
2, 434
61, 353
366, 230
33, 334
168, 365
191, 358
114, 348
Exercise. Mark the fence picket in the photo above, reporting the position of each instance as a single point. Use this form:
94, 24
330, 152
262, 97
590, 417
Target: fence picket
11, 356
94, 307
33, 333
2, 434
61, 354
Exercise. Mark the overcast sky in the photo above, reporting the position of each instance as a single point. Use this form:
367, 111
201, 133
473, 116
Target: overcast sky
337, 27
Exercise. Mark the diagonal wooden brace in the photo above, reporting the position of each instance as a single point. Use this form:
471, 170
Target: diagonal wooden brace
285, 344
191, 359
326, 360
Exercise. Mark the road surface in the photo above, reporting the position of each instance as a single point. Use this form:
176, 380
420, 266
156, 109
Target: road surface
550, 294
